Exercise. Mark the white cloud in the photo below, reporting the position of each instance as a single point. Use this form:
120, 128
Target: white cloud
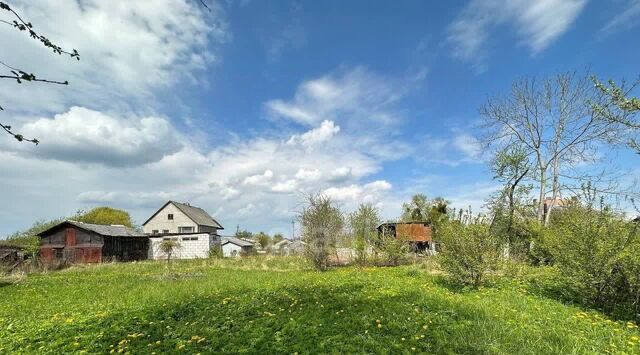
354, 97
317, 135
87, 136
537, 23
467, 144
624, 20
261, 179
128, 49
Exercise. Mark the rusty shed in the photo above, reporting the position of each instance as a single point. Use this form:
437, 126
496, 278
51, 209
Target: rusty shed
79, 242
417, 234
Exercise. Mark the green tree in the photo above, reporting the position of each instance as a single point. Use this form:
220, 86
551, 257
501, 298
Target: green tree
29, 239
105, 215
621, 109
244, 234
363, 223
322, 222
468, 252
169, 247
510, 166
278, 237
263, 239
416, 210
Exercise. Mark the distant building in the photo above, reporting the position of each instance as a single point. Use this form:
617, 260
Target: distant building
417, 234
79, 242
175, 217
289, 247
234, 247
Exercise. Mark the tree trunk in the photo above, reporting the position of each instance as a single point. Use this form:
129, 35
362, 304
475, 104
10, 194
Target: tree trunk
542, 194
555, 191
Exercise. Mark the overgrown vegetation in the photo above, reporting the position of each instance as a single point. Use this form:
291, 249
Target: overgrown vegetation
280, 305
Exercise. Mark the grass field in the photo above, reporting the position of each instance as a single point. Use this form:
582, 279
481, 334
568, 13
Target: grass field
279, 306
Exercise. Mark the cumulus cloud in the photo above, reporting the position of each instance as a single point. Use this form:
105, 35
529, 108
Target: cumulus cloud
317, 135
537, 23
88, 136
128, 50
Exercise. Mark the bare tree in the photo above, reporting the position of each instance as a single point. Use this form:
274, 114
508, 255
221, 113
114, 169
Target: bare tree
553, 123
21, 76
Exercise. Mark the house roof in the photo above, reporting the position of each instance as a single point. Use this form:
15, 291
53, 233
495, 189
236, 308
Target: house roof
196, 214
236, 241
102, 229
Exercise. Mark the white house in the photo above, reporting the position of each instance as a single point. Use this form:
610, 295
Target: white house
176, 217
192, 227
234, 247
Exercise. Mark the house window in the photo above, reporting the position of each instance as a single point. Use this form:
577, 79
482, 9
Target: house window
165, 231
189, 238
59, 253
170, 216
185, 229
166, 238
155, 231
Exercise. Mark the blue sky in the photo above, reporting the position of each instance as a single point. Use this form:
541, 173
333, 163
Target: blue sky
245, 109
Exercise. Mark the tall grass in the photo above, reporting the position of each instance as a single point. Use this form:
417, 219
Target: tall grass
280, 305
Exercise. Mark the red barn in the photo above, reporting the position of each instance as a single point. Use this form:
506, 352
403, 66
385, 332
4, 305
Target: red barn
79, 242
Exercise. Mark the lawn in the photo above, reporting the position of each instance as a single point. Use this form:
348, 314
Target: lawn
280, 306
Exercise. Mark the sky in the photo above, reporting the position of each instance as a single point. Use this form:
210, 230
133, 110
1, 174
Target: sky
245, 109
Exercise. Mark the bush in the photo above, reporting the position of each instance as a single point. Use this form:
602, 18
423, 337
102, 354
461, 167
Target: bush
468, 252
321, 223
598, 254
393, 250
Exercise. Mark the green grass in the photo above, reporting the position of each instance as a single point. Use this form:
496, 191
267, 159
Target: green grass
279, 306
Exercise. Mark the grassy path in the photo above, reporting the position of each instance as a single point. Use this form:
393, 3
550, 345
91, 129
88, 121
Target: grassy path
275, 306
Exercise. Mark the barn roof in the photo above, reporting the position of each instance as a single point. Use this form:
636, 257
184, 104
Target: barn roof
102, 229
196, 214
236, 241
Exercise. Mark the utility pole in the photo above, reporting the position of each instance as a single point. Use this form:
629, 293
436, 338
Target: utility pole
237, 229
293, 229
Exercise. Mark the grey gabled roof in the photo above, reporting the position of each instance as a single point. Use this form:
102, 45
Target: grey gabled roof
236, 241
196, 214
102, 229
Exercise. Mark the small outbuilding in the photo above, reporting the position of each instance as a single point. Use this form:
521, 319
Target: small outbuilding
11, 254
289, 247
189, 246
417, 234
234, 247
79, 242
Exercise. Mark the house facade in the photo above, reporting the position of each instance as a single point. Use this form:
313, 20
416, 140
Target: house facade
194, 230
175, 217
78, 242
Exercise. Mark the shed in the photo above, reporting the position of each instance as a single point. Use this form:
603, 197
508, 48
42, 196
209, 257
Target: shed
11, 253
232, 246
290, 247
417, 234
79, 242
